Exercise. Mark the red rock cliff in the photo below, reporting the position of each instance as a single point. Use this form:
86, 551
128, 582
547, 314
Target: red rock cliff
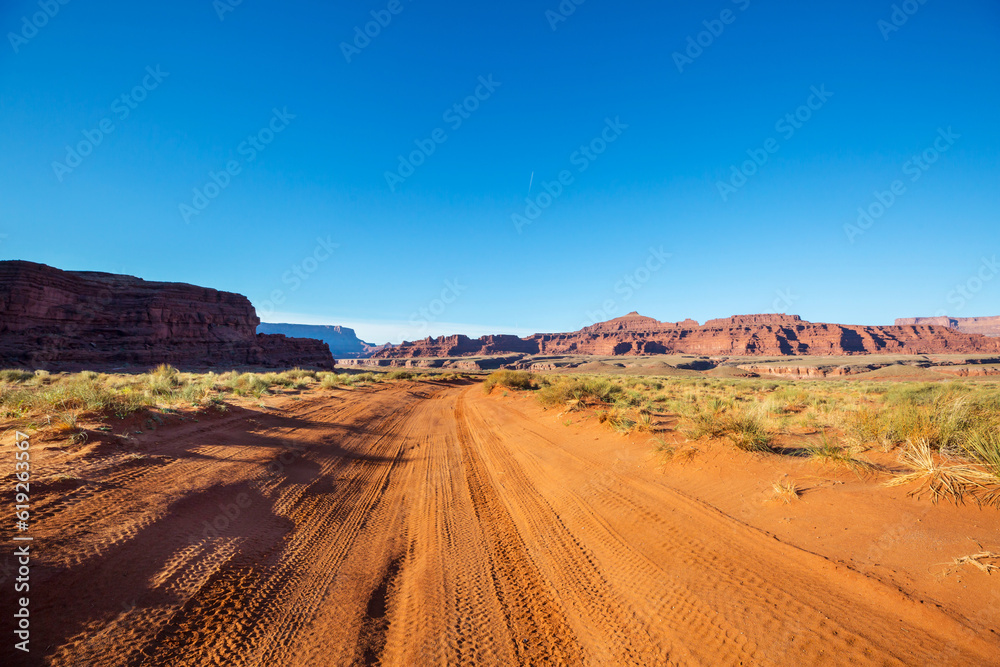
765, 335
987, 326
68, 320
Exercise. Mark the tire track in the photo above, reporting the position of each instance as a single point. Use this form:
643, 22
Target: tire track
423, 523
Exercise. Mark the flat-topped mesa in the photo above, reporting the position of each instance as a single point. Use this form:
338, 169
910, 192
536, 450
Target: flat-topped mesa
71, 320
458, 345
505, 344
987, 326
631, 322
741, 335
779, 319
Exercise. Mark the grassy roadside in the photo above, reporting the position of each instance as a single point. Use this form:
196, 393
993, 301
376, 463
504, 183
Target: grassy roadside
43, 400
946, 435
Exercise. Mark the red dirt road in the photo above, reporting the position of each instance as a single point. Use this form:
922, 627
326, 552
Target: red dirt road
427, 523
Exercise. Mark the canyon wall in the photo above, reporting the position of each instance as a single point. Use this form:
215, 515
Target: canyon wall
73, 320
987, 326
741, 335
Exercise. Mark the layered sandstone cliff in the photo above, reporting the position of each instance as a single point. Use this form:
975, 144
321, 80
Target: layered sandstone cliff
987, 326
69, 320
766, 335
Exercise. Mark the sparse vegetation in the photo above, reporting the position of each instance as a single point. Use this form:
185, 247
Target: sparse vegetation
60, 399
954, 421
745, 427
621, 421
983, 446
509, 379
15, 375
663, 447
947, 433
951, 481
746, 430
828, 452
589, 391
784, 491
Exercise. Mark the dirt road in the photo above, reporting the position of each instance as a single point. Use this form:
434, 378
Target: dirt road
427, 523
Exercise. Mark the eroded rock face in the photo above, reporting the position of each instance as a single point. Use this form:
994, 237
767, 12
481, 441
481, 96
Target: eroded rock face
71, 320
987, 326
741, 335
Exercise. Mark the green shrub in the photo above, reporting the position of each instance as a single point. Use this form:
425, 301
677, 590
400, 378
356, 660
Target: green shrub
162, 380
301, 374
747, 431
622, 421
827, 452
745, 427
329, 380
248, 384
509, 379
193, 393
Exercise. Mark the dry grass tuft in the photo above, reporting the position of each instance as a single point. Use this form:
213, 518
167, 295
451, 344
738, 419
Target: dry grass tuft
65, 424
949, 481
744, 427
827, 452
784, 491
748, 432
661, 446
686, 454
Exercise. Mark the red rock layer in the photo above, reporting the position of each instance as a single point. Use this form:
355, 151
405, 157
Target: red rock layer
69, 320
766, 335
987, 326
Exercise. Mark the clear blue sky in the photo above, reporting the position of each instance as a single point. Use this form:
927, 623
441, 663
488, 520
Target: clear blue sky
777, 242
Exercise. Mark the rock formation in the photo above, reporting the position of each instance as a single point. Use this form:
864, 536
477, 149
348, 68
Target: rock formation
741, 335
987, 326
343, 342
72, 320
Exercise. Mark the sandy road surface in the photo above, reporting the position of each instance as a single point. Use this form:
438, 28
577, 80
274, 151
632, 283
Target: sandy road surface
422, 523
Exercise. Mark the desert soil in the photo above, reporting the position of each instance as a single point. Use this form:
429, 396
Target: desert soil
428, 523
